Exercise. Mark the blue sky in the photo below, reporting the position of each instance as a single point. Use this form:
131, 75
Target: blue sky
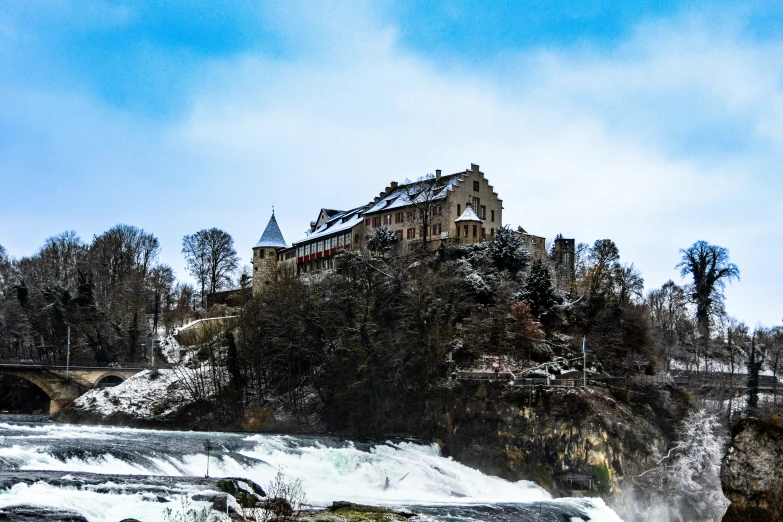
652, 123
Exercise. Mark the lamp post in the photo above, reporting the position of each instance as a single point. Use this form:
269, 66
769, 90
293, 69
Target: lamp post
207, 448
68, 356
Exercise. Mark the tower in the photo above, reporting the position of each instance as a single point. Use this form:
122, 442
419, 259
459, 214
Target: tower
469, 227
265, 256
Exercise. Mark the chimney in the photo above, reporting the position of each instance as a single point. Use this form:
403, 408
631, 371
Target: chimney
393, 185
437, 173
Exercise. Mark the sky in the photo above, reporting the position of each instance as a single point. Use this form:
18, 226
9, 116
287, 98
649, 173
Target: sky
655, 124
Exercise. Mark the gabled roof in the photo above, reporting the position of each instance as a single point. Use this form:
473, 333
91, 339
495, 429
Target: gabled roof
468, 215
339, 222
398, 196
272, 237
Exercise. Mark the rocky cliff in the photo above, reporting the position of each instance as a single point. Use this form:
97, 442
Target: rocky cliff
565, 438
752, 470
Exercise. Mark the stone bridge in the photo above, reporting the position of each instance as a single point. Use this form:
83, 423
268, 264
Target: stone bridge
63, 388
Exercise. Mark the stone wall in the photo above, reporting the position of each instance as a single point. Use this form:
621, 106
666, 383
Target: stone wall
264, 268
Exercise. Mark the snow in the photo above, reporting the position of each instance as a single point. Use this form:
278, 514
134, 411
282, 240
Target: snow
468, 215
147, 395
398, 197
334, 225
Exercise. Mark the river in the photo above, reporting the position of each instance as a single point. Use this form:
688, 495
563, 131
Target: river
396, 473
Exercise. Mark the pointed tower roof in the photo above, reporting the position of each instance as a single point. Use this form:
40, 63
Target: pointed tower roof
468, 215
272, 237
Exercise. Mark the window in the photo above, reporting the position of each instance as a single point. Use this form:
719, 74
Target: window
376, 221
435, 230
398, 233
476, 203
412, 215
476, 186
465, 229
261, 253
483, 232
318, 265
475, 230
340, 241
457, 230
491, 232
437, 210
367, 222
357, 238
348, 239
492, 215
320, 246
399, 217
459, 210
411, 233
483, 213
565, 257
387, 219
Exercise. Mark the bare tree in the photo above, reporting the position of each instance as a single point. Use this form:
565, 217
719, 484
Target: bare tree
211, 259
775, 358
425, 195
669, 317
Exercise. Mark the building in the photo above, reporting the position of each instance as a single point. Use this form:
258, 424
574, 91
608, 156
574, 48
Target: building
433, 210
265, 266
564, 257
536, 245
455, 208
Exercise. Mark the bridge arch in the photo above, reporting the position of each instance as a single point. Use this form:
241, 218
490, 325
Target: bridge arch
109, 378
35, 379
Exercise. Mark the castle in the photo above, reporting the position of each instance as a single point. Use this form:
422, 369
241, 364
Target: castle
461, 207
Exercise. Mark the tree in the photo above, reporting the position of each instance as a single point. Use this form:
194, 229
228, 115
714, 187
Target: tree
245, 280
508, 250
629, 283
710, 270
425, 196
211, 259
604, 258
670, 323
775, 357
382, 240
539, 293
756, 355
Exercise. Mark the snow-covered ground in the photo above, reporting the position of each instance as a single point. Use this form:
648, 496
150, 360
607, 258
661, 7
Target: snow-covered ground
148, 395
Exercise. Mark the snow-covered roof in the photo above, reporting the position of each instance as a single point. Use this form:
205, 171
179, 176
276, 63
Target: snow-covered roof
468, 215
272, 237
399, 196
339, 222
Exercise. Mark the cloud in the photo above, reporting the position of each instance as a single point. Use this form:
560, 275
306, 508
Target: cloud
671, 137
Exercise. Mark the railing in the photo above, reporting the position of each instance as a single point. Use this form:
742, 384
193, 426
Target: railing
39, 365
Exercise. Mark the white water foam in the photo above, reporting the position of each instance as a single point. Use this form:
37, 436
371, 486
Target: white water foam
95, 507
393, 474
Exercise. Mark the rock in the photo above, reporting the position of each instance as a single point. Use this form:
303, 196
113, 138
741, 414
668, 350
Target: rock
341, 506
219, 500
753, 463
39, 514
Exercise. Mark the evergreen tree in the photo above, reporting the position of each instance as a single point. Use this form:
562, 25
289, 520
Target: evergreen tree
382, 240
508, 251
539, 293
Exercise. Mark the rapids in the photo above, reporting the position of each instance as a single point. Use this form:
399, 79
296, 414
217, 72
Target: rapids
395, 473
